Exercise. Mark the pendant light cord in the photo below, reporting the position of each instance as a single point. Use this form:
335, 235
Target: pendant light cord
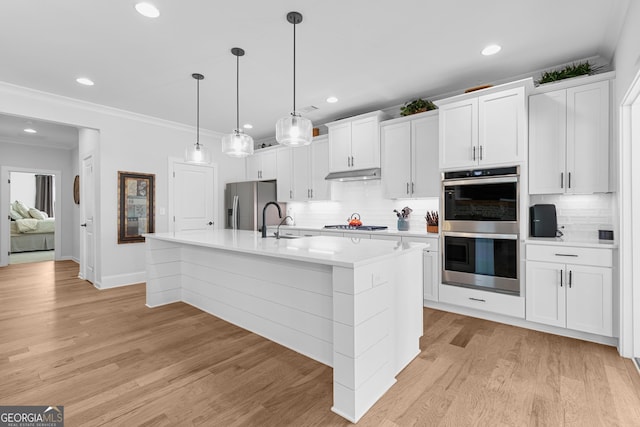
198, 114
238, 94
294, 67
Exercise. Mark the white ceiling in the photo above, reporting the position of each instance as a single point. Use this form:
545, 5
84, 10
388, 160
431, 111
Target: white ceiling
52, 135
369, 53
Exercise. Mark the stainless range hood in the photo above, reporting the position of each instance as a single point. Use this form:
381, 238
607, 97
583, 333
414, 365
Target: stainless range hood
357, 175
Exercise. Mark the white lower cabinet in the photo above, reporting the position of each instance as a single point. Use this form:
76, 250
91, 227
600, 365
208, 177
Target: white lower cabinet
573, 296
430, 266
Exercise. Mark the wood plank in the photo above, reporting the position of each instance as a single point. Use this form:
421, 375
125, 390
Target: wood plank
112, 361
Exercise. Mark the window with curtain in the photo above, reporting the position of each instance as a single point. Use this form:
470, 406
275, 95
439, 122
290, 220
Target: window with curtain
44, 194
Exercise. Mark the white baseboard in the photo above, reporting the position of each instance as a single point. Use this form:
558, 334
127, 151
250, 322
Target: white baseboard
522, 323
117, 280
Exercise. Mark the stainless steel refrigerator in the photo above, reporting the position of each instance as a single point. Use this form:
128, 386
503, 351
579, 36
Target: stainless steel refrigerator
244, 202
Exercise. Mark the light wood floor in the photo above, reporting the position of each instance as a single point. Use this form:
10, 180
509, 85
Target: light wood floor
111, 361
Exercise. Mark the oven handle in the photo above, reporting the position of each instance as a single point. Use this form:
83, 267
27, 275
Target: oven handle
481, 235
480, 180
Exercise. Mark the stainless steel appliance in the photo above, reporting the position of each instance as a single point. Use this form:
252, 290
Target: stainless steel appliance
480, 229
481, 201
244, 202
356, 227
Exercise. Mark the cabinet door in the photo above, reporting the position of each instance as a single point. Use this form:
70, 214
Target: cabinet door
424, 160
283, 175
431, 282
300, 177
545, 293
365, 143
547, 142
396, 160
268, 166
340, 147
588, 138
502, 127
319, 164
458, 134
254, 163
589, 299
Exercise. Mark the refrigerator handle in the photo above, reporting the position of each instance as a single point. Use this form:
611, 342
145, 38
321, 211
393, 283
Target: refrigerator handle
235, 213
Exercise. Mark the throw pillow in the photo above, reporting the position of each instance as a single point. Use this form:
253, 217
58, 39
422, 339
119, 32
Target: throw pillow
35, 213
21, 208
14, 214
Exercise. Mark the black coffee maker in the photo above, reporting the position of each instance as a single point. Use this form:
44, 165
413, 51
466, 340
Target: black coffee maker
543, 221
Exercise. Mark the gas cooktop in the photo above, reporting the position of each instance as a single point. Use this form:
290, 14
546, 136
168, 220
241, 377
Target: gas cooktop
357, 227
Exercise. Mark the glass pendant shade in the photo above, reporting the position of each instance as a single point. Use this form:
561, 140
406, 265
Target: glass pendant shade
294, 130
197, 153
237, 144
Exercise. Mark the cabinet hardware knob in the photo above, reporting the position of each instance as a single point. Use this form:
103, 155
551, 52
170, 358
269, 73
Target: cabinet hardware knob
474, 153
569, 180
561, 274
571, 255
210, 223
412, 188
407, 188
561, 179
83, 225
477, 299
481, 152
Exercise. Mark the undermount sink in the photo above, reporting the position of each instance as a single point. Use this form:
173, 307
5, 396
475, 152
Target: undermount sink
285, 236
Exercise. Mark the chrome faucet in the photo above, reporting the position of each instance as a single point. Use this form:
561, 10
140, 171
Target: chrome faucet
282, 222
264, 219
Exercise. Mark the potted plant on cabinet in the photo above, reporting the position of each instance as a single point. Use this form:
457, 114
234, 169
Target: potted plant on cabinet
417, 106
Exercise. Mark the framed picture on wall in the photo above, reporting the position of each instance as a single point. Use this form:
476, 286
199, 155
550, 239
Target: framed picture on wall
136, 206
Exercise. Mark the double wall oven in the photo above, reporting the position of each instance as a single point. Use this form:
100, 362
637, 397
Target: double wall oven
480, 229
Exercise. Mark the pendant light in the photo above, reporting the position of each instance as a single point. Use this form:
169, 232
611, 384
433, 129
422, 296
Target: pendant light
294, 130
197, 153
237, 143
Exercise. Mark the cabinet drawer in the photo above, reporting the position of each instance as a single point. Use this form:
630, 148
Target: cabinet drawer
481, 300
570, 255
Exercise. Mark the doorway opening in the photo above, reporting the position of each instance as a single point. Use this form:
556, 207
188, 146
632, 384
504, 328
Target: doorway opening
32, 212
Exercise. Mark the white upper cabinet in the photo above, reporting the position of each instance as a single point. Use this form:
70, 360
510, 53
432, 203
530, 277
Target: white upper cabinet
459, 134
319, 166
301, 172
354, 143
569, 139
284, 175
262, 165
410, 156
487, 128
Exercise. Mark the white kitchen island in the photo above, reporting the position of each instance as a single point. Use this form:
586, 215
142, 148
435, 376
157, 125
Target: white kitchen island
352, 304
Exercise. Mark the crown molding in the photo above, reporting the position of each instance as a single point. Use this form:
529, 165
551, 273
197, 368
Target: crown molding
39, 95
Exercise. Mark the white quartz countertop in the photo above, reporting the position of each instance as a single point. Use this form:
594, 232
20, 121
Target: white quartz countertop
389, 231
568, 241
328, 250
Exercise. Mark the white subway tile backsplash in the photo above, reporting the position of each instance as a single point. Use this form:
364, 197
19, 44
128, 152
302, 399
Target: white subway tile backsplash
580, 216
365, 198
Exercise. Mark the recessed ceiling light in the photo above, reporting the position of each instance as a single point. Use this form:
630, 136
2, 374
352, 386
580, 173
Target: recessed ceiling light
247, 126
492, 49
332, 99
148, 10
29, 130
85, 81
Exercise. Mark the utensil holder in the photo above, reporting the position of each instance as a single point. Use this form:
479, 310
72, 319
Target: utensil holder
403, 224
432, 228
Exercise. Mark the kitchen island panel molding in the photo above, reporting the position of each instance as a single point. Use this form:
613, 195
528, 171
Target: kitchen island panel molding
358, 310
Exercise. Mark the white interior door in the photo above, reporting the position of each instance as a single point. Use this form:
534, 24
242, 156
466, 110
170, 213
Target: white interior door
87, 215
193, 197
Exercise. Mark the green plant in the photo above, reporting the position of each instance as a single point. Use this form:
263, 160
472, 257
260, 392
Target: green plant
417, 106
573, 70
